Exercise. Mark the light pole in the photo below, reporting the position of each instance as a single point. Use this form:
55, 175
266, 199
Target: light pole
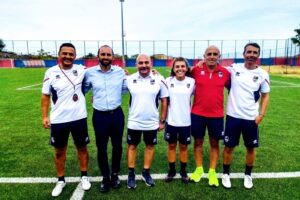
123, 35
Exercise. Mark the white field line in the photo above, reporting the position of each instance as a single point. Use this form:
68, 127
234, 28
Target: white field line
287, 83
262, 175
78, 193
29, 87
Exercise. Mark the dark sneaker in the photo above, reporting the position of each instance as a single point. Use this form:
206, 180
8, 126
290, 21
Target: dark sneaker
115, 181
170, 176
148, 179
184, 177
131, 183
104, 187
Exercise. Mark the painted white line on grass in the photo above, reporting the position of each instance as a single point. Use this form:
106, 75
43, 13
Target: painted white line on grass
78, 193
29, 87
154, 176
282, 86
287, 83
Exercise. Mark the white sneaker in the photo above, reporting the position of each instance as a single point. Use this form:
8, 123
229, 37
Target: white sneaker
58, 188
226, 181
85, 183
248, 184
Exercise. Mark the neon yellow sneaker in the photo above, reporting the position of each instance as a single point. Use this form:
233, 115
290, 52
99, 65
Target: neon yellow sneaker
197, 174
212, 178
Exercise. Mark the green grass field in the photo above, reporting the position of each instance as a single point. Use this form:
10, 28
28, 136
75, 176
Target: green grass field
24, 149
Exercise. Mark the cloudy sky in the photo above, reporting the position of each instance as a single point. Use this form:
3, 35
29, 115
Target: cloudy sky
145, 20
148, 19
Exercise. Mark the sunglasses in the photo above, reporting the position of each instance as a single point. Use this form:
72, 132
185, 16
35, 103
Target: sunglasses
145, 62
210, 54
105, 54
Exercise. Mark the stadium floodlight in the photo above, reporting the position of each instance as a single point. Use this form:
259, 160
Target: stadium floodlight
123, 34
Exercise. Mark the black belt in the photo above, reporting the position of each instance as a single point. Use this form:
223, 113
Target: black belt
107, 111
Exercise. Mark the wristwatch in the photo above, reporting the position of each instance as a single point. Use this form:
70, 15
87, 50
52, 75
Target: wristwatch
162, 121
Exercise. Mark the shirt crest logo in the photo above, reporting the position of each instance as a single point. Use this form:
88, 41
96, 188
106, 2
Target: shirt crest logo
202, 73
237, 74
188, 85
134, 81
220, 74
152, 81
57, 76
255, 78
75, 72
172, 85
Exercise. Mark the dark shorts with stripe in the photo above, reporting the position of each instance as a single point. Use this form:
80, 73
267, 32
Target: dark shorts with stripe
235, 127
134, 137
78, 129
178, 133
214, 125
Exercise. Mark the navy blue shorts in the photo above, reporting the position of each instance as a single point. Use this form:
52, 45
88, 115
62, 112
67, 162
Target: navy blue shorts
60, 133
134, 137
215, 127
235, 127
175, 133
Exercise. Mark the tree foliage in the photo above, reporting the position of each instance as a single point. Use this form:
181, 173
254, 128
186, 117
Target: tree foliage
296, 39
2, 45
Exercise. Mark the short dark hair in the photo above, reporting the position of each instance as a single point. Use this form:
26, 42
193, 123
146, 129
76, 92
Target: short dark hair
66, 45
254, 44
107, 47
188, 73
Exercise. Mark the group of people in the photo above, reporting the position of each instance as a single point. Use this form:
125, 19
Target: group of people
180, 115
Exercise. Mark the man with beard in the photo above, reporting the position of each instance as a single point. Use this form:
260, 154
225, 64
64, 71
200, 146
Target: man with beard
106, 82
145, 90
63, 83
248, 83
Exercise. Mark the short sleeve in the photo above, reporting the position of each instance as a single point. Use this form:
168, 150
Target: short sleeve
265, 84
46, 84
163, 88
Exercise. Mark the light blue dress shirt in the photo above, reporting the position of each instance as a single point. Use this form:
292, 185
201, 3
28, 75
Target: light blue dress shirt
107, 87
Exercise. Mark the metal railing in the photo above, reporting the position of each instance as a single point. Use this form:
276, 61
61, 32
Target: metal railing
191, 49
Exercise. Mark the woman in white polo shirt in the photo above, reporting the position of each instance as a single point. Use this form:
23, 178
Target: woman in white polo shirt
178, 126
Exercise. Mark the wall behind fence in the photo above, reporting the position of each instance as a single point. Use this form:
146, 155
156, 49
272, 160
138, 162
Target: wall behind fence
10, 63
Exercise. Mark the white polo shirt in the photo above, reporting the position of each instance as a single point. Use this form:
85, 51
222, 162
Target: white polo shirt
246, 87
180, 92
144, 97
63, 107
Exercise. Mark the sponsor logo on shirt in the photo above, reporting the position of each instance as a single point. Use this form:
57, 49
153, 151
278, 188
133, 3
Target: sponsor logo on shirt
220, 74
255, 78
152, 81
75, 72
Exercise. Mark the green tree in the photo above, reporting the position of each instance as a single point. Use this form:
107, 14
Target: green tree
2, 45
296, 39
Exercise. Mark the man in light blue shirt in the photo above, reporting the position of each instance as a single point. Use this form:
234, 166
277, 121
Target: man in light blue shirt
107, 83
